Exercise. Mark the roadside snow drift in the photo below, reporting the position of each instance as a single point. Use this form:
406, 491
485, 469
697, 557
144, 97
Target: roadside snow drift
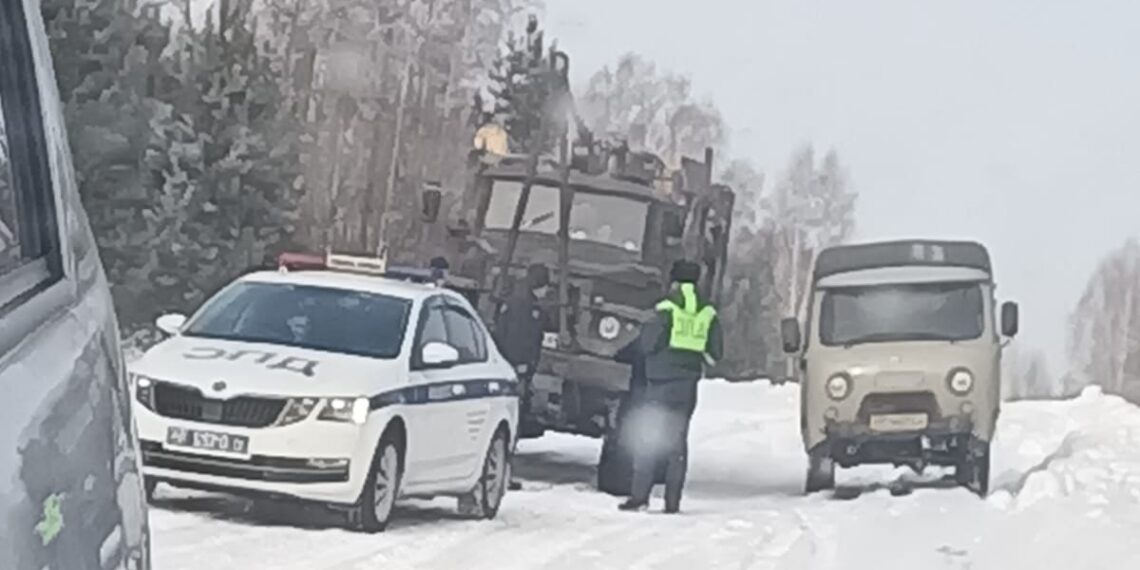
1066, 495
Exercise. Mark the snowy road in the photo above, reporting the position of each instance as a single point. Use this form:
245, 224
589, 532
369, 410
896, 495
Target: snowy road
1066, 495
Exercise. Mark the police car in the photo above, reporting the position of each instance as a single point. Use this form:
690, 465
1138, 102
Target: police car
333, 384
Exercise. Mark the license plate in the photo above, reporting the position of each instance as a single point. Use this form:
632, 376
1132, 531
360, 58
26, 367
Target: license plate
899, 422
208, 441
550, 340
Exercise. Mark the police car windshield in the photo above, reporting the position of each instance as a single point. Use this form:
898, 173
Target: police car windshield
896, 313
319, 318
612, 220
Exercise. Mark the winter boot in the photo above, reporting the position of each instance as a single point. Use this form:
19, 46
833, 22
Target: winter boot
632, 505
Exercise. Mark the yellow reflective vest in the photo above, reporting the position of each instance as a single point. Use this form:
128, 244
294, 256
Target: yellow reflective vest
689, 326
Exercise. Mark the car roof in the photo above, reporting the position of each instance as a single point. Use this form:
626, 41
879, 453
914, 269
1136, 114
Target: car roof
350, 281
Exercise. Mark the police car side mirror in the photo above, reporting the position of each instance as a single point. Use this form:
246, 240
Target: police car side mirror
438, 355
170, 324
790, 335
1009, 319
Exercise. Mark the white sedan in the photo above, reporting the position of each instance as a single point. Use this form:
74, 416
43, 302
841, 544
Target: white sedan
329, 386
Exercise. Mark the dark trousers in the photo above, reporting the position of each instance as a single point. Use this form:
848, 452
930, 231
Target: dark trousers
661, 428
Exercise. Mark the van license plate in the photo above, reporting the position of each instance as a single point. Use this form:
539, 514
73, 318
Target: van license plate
208, 441
899, 422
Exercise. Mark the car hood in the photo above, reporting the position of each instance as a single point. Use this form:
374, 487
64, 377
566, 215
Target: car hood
225, 369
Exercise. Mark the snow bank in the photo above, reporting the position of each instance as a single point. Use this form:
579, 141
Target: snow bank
1067, 475
1098, 460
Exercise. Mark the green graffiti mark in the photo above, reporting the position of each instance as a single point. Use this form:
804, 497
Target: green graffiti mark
52, 522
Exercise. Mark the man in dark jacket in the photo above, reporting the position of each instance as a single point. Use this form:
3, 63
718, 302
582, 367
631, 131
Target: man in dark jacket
682, 337
519, 331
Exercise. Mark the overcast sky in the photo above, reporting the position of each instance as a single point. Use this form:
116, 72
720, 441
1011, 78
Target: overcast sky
1016, 123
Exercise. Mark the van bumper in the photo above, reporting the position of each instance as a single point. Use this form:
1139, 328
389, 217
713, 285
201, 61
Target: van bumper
942, 442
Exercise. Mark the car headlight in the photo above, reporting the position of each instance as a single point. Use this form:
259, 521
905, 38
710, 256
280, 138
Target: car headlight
838, 386
609, 327
297, 409
144, 390
353, 410
960, 381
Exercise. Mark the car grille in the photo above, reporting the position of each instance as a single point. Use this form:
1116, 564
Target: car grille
187, 403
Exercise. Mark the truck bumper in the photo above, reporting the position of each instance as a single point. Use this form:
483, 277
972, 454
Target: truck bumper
575, 393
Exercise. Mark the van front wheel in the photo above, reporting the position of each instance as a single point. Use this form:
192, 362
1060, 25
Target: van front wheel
973, 469
821, 470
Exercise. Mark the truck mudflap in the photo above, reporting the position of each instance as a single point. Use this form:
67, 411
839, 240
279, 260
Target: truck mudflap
941, 442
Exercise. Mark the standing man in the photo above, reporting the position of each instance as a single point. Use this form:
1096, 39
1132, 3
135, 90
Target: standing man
518, 333
677, 342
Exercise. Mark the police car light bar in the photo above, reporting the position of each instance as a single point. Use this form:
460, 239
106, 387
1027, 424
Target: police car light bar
291, 261
300, 261
357, 264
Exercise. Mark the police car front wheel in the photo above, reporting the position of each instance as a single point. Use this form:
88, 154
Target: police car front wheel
378, 499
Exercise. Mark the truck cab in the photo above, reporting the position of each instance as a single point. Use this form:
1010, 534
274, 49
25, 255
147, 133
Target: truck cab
607, 226
901, 360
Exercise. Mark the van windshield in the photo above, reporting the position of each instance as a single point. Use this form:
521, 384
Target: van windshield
901, 312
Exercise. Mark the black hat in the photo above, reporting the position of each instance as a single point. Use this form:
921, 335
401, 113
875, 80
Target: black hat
537, 275
685, 272
439, 263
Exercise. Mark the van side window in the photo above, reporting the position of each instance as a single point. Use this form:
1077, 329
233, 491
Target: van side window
29, 242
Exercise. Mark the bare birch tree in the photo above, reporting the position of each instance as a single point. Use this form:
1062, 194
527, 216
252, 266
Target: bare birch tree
810, 209
1104, 330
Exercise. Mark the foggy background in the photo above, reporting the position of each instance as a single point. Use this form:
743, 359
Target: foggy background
1014, 123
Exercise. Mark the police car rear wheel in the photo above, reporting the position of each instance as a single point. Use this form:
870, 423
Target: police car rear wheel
483, 501
493, 484
378, 499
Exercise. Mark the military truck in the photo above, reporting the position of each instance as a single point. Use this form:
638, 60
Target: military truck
901, 363
608, 223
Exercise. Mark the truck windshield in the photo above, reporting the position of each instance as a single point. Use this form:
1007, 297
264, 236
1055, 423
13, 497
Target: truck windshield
318, 318
897, 312
602, 218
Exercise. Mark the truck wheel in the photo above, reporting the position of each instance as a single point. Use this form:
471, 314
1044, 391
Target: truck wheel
615, 467
378, 498
973, 470
821, 470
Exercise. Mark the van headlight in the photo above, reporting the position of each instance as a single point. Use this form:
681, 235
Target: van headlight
609, 327
353, 410
144, 390
960, 381
838, 386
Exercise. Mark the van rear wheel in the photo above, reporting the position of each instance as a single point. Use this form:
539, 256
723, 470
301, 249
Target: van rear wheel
821, 470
